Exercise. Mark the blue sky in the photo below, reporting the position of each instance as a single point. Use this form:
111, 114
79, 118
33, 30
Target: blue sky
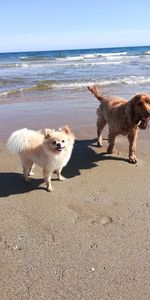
65, 24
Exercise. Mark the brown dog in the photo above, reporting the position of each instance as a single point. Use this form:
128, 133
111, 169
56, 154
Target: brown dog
123, 117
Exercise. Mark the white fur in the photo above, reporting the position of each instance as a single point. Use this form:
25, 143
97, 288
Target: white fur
37, 147
21, 140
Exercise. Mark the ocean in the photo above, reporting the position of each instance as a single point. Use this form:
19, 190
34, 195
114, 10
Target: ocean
49, 89
112, 68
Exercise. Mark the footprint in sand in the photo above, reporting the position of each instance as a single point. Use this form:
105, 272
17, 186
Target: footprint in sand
90, 213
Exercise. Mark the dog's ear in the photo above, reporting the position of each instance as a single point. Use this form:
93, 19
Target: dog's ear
66, 129
131, 108
47, 132
136, 98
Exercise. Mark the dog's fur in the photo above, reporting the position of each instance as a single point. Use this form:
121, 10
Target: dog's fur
123, 117
47, 148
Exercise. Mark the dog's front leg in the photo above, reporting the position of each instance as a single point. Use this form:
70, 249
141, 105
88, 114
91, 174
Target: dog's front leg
47, 174
132, 136
60, 177
30, 172
26, 174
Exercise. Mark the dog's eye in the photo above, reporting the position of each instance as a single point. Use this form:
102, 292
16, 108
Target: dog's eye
54, 143
63, 141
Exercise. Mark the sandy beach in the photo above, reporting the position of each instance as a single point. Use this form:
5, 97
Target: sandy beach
89, 238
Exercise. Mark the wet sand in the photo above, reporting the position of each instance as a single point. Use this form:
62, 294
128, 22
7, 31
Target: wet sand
89, 238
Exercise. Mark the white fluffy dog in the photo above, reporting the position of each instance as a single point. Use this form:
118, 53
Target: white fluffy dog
49, 149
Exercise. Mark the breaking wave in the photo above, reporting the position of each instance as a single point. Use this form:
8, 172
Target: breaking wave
54, 84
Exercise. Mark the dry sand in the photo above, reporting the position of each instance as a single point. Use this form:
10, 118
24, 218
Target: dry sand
89, 239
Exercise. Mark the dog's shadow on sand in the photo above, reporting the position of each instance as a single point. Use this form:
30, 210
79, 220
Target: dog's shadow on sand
83, 157
14, 183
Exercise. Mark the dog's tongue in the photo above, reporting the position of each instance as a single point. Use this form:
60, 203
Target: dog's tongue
146, 119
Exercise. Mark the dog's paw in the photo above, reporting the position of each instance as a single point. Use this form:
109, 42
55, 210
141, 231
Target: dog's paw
49, 189
31, 173
27, 179
110, 150
99, 144
61, 178
133, 159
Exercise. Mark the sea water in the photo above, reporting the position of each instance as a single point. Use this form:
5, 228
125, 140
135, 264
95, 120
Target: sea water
49, 89
123, 69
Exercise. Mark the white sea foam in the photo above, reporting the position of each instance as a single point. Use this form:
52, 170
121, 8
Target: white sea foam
132, 80
25, 65
113, 54
75, 57
23, 57
87, 63
106, 63
79, 57
123, 58
89, 56
147, 52
72, 58
48, 84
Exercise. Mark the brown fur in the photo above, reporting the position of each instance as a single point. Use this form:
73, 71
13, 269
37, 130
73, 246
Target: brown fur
123, 117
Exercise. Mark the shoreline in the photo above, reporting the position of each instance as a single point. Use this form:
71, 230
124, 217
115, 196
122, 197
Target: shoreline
53, 109
48, 110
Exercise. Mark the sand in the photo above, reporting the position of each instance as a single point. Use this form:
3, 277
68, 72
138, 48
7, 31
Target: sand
88, 239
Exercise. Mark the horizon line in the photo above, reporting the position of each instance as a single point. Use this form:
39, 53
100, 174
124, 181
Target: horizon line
75, 49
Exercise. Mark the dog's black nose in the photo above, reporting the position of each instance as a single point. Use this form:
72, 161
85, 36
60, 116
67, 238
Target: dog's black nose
58, 145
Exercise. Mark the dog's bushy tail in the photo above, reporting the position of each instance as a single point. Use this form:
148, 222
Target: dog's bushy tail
20, 140
95, 91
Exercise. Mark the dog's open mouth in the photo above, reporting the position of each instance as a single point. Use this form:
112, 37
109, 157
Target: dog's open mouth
59, 149
143, 123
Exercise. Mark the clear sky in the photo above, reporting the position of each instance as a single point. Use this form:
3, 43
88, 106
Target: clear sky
64, 24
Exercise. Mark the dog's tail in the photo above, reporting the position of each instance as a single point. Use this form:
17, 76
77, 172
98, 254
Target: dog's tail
20, 140
95, 91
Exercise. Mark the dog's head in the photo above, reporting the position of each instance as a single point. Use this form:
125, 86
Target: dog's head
57, 141
140, 110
